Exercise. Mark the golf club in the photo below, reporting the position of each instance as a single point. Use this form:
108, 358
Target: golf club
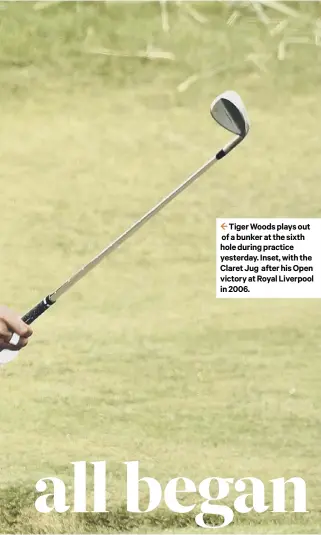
228, 111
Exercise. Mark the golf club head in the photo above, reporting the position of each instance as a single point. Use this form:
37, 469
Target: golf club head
229, 111
6, 355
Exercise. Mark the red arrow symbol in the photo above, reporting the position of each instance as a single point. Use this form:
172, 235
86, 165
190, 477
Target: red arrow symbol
223, 226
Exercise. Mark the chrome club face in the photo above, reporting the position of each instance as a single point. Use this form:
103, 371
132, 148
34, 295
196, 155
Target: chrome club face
229, 111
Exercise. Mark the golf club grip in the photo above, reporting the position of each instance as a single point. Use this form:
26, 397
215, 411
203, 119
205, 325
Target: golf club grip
36, 311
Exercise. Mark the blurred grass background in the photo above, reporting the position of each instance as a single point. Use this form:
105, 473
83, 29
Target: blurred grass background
105, 109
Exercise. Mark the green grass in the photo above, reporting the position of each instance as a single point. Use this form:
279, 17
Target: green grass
140, 361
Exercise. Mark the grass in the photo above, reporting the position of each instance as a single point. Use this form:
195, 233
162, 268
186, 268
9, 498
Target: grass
140, 361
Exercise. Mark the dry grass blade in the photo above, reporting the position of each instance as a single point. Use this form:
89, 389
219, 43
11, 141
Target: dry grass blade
279, 28
188, 82
317, 32
261, 15
281, 7
196, 15
149, 53
192, 12
233, 18
164, 15
292, 41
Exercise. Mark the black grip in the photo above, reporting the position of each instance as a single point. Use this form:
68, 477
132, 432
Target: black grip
220, 154
36, 311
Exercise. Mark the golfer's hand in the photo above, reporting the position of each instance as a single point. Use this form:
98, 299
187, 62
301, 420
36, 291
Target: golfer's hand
11, 323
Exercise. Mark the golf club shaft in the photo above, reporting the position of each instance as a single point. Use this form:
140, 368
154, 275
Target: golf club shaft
46, 303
